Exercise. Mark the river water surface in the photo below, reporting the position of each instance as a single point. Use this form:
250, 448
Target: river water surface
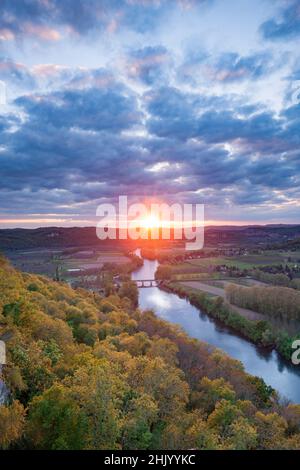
279, 374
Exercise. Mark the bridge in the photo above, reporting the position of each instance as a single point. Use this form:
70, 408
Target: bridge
146, 282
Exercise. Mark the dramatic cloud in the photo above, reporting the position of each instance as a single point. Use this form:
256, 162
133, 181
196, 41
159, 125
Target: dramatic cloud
143, 102
72, 145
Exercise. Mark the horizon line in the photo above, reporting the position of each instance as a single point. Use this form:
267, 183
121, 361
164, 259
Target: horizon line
216, 225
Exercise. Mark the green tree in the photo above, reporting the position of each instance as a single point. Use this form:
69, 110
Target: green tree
139, 422
56, 422
224, 414
129, 289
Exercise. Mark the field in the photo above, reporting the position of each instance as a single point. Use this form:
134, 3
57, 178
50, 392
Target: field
199, 268
93, 260
70, 262
268, 258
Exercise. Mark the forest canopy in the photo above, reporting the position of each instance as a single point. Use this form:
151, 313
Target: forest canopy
91, 372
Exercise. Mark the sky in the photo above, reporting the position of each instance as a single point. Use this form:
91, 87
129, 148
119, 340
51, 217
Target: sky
190, 101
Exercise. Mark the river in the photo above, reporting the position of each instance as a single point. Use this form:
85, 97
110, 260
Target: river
279, 374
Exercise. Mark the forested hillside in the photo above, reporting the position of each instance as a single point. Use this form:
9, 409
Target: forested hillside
86, 372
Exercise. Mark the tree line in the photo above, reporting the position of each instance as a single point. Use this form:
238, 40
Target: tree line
277, 302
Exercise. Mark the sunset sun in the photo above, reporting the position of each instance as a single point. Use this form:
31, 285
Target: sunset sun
150, 222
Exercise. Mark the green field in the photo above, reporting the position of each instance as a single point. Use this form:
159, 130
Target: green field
246, 261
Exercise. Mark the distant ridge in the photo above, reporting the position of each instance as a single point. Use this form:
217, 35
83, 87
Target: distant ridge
64, 237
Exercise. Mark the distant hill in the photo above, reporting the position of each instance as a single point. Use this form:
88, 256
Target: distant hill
252, 234
58, 237
47, 237
293, 244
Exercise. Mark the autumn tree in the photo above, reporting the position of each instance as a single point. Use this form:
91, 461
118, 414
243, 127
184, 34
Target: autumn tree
12, 420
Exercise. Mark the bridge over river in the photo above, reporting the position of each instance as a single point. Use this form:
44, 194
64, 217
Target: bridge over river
147, 282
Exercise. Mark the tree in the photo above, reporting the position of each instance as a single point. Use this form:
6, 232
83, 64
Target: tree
292, 416
129, 289
56, 422
164, 273
200, 436
164, 348
98, 389
34, 369
164, 383
138, 424
224, 414
211, 391
136, 344
242, 435
271, 430
12, 419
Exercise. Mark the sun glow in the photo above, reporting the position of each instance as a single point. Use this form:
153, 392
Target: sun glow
150, 222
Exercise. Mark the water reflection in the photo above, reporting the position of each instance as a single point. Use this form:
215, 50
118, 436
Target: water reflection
283, 377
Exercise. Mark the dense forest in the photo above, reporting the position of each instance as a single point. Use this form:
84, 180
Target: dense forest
91, 372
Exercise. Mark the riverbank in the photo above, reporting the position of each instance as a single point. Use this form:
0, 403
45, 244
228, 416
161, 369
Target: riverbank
218, 292
260, 332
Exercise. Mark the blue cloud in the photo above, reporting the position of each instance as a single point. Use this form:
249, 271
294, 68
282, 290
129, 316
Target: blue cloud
185, 115
287, 26
191, 66
88, 109
16, 74
37, 17
226, 68
148, 64
232, 67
